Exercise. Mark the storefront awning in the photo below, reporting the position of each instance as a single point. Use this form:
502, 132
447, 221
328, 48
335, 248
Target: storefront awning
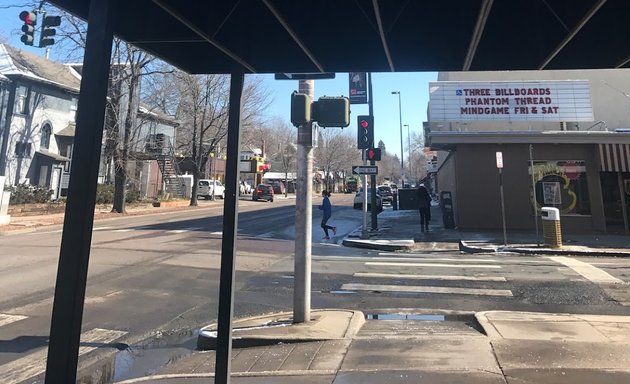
614, 157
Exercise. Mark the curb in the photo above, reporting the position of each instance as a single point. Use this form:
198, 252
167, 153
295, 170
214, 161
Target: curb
465, 247
382, 245
207, 339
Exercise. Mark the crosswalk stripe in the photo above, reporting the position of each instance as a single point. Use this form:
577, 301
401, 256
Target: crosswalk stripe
431, 277
426, 289
34, 364
123, 230
177, 231
101, 228
434, 265
6, 319
588, 271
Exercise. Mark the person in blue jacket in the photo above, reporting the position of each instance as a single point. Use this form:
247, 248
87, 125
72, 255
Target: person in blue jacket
327, 208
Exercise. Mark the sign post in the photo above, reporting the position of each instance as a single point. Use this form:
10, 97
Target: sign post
500, 167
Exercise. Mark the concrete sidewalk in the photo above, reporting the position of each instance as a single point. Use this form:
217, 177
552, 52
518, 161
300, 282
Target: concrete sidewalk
489, 347
400, 231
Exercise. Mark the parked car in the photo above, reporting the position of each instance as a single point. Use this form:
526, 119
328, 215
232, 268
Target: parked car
208, 187
358, 200
386, 193
263, 192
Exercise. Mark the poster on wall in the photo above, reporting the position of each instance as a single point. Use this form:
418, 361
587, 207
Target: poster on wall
507, 101
551, 193
561, 184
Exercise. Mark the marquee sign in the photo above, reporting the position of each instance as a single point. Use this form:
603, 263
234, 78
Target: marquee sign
543, 101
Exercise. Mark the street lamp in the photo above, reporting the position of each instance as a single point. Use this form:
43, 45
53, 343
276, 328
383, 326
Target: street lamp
402, 167
408, 148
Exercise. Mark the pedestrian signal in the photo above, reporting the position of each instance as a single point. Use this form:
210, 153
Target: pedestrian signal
374, 154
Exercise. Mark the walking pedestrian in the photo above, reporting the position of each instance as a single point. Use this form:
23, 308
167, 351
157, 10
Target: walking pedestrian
327, 208
424, 200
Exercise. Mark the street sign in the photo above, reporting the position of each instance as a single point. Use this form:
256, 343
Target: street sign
305, 76
364, 170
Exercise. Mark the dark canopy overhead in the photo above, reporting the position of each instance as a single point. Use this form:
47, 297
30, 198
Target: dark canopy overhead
302, 36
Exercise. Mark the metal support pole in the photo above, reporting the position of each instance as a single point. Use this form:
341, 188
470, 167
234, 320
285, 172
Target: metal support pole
624, 207
502, 206
409, 150
364, 229
535, 202
67, 312
303, 218
374, 212
402, 154
230, 225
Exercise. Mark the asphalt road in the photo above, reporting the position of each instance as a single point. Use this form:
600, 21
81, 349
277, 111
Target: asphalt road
158, 275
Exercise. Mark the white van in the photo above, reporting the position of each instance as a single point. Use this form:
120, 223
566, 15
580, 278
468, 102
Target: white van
209, 187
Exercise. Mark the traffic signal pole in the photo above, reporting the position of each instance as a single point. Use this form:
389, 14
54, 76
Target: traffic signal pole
303, 216
372, 162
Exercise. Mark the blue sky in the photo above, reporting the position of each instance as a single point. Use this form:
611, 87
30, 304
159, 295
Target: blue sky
413, 87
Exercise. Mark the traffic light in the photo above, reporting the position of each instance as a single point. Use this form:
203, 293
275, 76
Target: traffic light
48, 30
365, 138
374, 154
300, 108
28, 29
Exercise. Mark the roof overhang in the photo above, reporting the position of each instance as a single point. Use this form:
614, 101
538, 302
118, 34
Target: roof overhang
53, 156
267, 36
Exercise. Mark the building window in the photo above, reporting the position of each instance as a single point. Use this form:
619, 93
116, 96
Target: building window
20, 100
562, 184
45, 137
23, 149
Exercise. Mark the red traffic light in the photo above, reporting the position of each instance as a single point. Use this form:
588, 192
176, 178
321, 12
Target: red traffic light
365, 124
27, 17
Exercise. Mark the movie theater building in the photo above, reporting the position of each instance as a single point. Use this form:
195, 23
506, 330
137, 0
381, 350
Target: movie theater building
563, 139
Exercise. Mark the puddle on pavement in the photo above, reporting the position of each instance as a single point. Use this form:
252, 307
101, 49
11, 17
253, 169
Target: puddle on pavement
469, 319
149, 357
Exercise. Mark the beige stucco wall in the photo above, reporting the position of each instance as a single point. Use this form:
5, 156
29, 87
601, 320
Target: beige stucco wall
478, 193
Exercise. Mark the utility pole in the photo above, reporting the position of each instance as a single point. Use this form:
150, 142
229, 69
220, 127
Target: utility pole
303, 216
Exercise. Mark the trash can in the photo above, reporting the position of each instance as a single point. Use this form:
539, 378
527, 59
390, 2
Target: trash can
551, 227
446, 203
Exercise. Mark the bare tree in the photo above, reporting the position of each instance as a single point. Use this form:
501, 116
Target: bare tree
282, 148
203, 111
335, 154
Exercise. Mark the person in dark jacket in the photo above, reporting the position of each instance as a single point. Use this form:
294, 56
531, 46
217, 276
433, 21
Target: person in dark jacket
327, 208
424, 200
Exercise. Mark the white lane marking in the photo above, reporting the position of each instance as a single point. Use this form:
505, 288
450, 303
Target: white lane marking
101, 228
423, 259
219, 233
588, 271
431, 277
124, 230
33, 364
426, 289
379, 263
6, 319
190, 229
